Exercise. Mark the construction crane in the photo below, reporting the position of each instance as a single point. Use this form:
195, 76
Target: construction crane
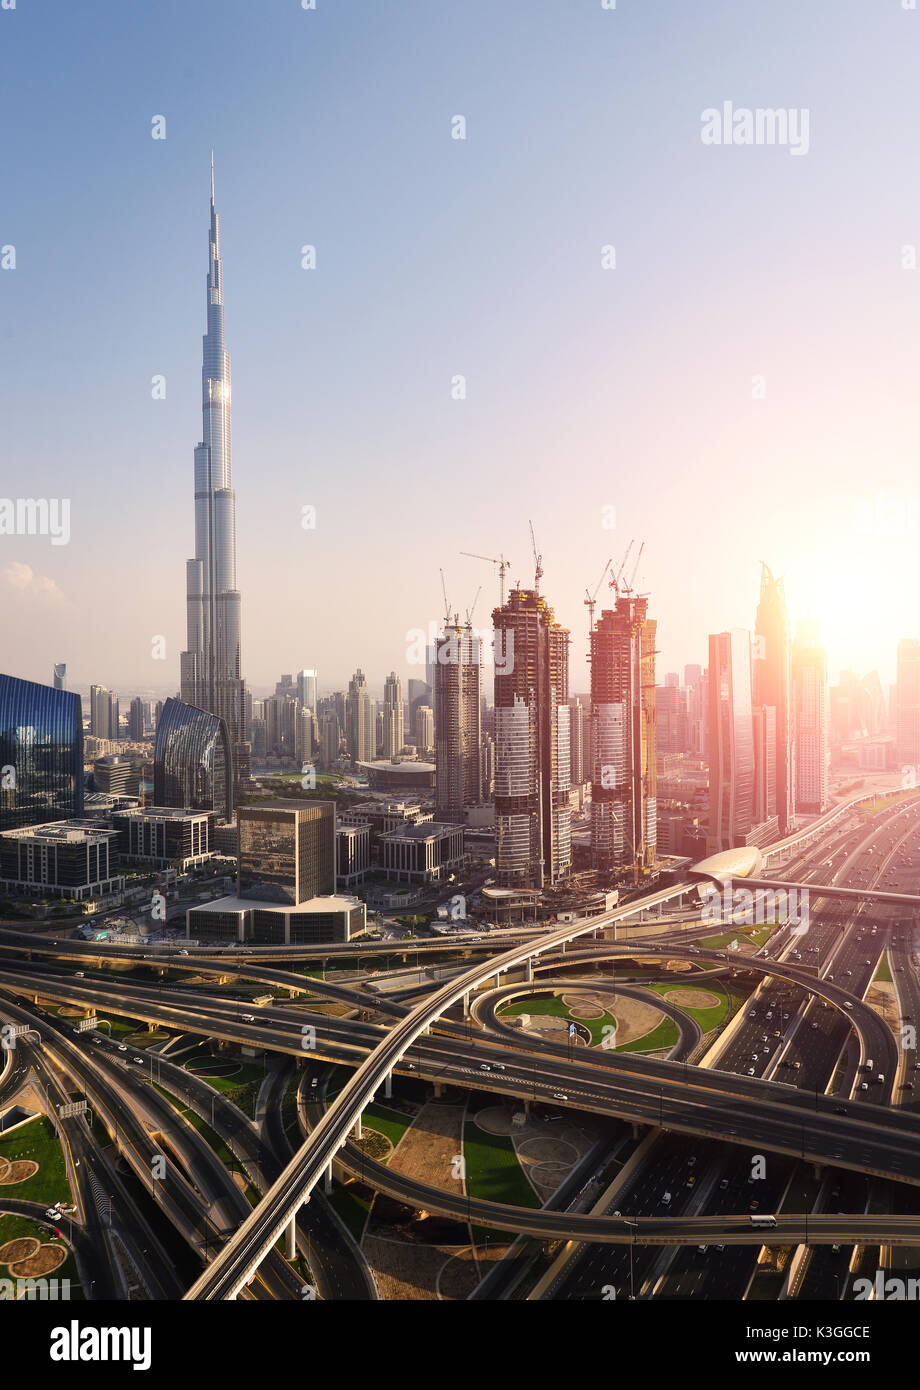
446, 603
472, 608
503, 565
537, 562
591, 599
632, 578
615, 578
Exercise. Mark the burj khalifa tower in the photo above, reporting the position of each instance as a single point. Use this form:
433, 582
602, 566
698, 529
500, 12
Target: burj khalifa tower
210, 669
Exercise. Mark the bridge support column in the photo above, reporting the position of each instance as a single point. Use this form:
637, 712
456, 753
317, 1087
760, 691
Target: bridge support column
388, 1085
327, 1185
528, 970
817, 1169
466, 1004
291, 1246
635, 1129
359, 1129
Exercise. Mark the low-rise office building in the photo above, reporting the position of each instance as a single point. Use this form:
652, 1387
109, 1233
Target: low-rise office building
164, 835
423, 853
336, 918
352, 854
63, 859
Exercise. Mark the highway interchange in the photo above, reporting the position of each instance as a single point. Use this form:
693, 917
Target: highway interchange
787, 1079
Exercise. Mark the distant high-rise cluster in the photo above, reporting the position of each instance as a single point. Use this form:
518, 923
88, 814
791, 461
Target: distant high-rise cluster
768, 729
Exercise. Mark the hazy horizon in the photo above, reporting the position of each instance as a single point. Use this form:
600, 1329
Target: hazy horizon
589, 391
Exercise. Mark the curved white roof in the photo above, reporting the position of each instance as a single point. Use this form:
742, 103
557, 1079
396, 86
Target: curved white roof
742, 862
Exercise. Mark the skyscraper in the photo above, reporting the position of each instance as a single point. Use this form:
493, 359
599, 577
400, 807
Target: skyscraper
731, 740
623, 715
191, 761
907, 738
329, 738
306, 689
424, 728
60, 675
812, 718
393, 718
41, 754
457, 734
137, 719
211, 669
360, 720
104, 713
772, 687
532, 758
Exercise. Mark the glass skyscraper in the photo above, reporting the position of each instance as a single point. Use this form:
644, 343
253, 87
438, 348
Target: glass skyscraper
211, 668
191, 761
41, 754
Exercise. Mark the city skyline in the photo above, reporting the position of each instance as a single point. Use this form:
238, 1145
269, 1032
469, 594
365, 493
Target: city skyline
321, 384
392, 911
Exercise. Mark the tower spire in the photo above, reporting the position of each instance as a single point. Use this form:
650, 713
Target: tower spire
212, 178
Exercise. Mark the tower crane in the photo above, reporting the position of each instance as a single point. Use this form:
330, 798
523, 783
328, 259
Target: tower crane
591, 599
632, 578
503, 565
446, 603
472, 608
537, 562
615, 578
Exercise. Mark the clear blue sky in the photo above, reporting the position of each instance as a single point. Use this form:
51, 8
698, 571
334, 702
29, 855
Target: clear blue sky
586, 388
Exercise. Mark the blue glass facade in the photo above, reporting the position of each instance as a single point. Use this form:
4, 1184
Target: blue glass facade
192, 766
41, 754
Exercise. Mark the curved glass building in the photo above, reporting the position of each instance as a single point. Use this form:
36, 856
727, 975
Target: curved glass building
192, 763
41, 754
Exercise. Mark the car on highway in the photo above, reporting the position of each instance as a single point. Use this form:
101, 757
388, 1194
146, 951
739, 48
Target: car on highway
847, 1004
750, 1071
498, 1066
666, 1199
122, 1048
484, 1066
559, 1095
54, 1213
138, 1060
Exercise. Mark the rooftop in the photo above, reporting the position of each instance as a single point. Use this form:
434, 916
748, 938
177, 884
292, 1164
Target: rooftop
336, 902
62, 832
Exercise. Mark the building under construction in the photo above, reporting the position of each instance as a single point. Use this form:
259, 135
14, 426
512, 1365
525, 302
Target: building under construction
457, 722
532, 773
623, 780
